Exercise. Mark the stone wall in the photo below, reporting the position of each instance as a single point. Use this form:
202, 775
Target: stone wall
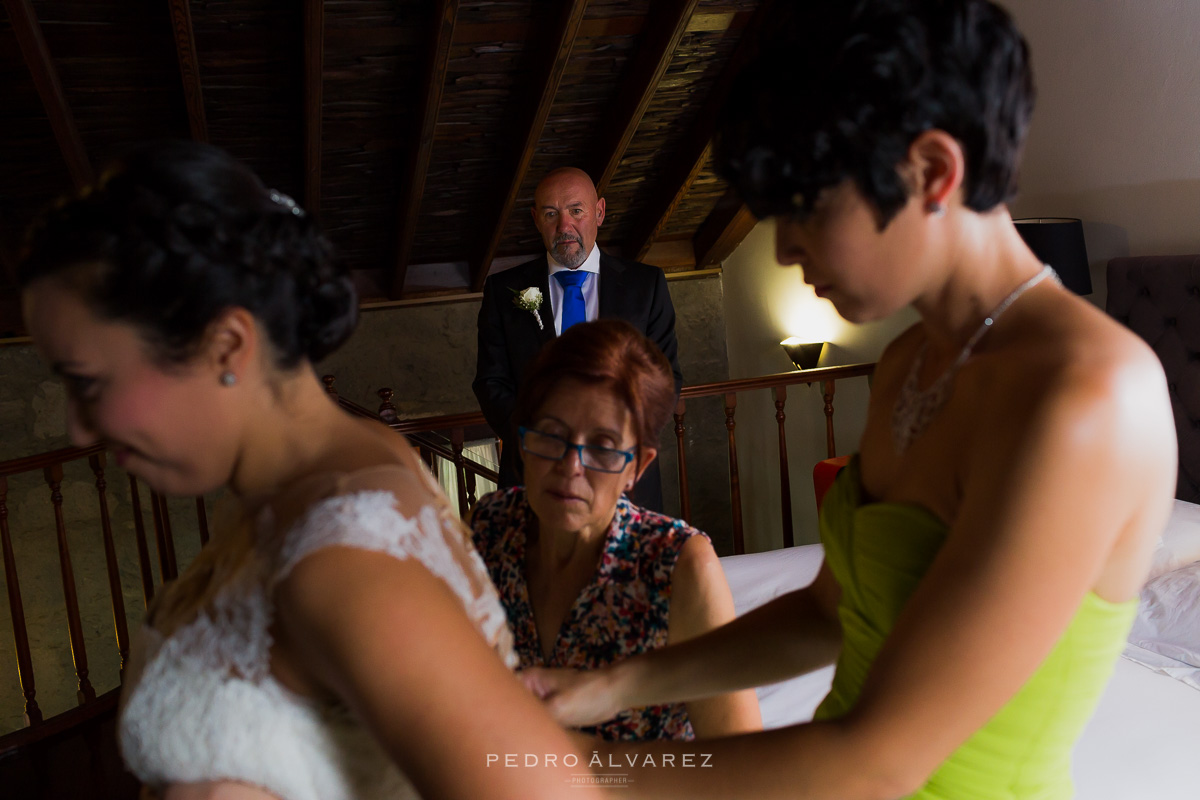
426, 354
33, 404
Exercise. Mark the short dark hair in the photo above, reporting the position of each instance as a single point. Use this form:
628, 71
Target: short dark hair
175, 234
842, 88
611, 354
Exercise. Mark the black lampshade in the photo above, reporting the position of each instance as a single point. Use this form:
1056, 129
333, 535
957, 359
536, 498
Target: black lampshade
1058, 242
805, 355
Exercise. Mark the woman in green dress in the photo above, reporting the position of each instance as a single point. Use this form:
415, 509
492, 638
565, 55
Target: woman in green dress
985, 548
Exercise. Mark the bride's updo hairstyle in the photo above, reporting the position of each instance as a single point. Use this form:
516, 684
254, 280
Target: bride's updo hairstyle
170, 237
175, 234
844, 87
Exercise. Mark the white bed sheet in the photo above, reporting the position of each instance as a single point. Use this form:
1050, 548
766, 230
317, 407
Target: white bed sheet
1143, 742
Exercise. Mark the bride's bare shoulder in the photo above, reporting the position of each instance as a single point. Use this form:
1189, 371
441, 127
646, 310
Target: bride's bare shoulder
388, 466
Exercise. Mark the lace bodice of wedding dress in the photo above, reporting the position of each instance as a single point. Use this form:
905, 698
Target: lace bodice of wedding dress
204, 704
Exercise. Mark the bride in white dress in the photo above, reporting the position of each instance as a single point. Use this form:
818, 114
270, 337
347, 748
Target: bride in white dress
342, 640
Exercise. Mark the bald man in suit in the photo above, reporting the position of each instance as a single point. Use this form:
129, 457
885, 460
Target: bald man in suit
568, 214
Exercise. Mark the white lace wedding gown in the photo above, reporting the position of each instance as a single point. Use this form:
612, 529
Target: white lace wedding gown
203, 705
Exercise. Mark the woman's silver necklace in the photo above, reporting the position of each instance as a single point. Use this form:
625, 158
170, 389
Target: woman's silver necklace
915, 409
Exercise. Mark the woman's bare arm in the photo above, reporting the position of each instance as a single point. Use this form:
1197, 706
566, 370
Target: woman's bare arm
700, 602
791, 635
211, 790
393, 642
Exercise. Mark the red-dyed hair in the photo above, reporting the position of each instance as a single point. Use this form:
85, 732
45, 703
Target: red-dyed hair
607, 353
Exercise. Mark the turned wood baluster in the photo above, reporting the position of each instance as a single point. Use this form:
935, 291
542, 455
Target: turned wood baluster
54, 476
829, 447
387, 410
33, 714
427, 457
330, 389
143, 549
735, 482
785, 481
168, 536
97, 463
460, 472
160, 539
472, 490
202, 520
685, 506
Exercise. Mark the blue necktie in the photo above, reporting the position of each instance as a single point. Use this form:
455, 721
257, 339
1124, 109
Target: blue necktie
574, 309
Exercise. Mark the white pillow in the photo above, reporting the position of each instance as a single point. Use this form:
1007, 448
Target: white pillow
756, 578
1180, 543
1166, 634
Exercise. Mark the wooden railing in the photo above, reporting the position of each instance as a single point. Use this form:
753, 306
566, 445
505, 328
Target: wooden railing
826, 376
51, 466
454, 425
435, 437
424, 434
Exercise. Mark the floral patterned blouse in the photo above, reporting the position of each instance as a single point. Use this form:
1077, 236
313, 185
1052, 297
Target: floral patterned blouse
622, 612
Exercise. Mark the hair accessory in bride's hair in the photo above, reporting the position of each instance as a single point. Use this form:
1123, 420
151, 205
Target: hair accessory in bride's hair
287, 202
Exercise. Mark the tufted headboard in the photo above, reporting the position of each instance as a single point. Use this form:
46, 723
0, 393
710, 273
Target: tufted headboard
1158, 297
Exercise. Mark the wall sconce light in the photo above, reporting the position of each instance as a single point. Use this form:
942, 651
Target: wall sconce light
805, 355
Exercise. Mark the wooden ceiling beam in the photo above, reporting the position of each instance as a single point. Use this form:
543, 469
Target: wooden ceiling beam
12, 322
558, 50
189, 67
471, 33
45, 78
654, 54
726, 226
445, 17
693, 151
669, 193
8, 266
314, 83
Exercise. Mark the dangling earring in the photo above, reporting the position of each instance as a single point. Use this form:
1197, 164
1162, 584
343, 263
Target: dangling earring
228, 378
935, 208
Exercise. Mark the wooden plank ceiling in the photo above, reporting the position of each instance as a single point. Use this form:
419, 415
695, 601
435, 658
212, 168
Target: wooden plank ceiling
416, 130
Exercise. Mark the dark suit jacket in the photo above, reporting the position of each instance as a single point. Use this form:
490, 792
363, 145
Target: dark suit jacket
509, 339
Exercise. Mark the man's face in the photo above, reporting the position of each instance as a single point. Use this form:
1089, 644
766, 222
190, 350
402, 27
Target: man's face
568, 215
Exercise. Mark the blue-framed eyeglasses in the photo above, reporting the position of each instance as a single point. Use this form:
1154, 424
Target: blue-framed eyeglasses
592, 456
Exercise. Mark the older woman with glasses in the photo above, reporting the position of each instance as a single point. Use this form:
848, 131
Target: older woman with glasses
587, 577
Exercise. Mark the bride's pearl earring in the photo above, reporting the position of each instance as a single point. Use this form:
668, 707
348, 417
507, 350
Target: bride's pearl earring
935, 208
228, 378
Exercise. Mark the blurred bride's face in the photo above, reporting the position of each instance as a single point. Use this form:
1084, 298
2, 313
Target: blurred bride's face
866, 273
170, 425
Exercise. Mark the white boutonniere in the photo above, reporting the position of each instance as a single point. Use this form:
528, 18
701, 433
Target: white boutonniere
530, 300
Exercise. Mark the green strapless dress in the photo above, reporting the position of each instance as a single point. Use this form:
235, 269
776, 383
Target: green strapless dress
879, 552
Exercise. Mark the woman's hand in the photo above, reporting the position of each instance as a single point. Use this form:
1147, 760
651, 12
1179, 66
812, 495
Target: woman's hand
575, 697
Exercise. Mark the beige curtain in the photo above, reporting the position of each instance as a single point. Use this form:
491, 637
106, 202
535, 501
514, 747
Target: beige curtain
481, 452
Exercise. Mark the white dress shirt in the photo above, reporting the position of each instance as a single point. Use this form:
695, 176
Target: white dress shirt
590, 286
